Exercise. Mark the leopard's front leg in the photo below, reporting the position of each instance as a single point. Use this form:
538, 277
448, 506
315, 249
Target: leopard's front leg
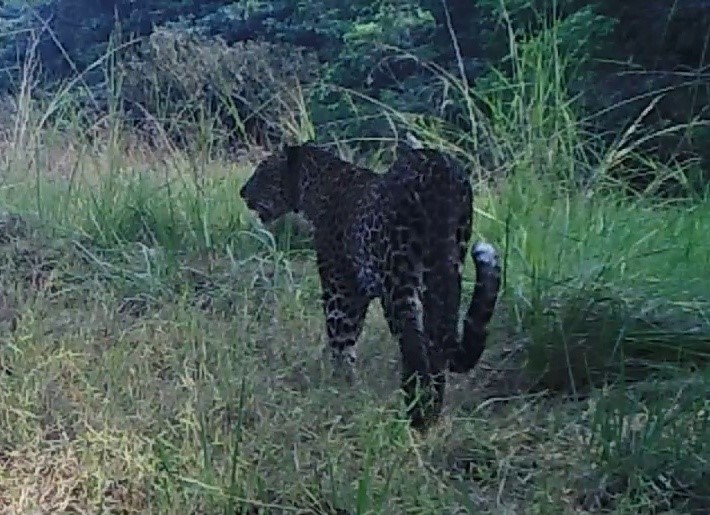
345, 309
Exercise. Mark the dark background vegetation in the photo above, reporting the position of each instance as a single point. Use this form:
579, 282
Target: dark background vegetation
626, 55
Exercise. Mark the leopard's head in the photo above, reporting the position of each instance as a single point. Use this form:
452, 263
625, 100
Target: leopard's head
273, 189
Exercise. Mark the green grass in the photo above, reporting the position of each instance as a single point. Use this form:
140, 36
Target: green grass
167, 358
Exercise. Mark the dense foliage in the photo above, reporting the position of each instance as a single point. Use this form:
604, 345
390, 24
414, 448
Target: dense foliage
624, 53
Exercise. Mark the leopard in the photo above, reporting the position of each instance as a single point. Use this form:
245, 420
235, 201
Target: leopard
400, 237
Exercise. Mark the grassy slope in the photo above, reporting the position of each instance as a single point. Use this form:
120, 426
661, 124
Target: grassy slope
183, 375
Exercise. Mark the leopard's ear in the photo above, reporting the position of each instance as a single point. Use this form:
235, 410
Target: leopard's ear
293, 156
292, 174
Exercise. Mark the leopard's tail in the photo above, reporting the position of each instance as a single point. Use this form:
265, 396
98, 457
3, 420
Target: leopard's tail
480, 310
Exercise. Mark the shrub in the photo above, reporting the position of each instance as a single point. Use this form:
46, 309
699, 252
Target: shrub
248, 91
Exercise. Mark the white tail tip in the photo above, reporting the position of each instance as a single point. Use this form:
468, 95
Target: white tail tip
485, 253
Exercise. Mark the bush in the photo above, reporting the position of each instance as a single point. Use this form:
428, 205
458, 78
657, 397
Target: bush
249, 91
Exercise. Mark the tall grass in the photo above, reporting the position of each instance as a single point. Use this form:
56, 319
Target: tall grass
594, 278
600, 287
